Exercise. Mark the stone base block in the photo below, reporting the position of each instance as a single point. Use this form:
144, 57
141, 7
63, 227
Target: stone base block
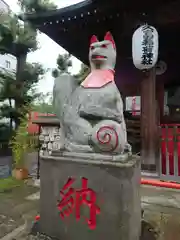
90, 196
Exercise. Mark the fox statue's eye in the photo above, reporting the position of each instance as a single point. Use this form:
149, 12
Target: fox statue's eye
92, 47
104, 46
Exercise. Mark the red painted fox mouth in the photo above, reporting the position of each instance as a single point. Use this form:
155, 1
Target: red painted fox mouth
98, 57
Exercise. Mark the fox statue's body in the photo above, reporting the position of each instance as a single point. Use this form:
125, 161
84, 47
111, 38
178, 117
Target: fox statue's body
91, 115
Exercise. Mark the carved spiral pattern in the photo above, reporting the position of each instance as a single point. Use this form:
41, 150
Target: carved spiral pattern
107, 135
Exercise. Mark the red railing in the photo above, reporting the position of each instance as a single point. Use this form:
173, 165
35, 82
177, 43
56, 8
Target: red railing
170, 149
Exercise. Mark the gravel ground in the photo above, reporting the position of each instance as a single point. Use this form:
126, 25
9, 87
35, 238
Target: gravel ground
148, 233
38, 237
161, 214
15, 210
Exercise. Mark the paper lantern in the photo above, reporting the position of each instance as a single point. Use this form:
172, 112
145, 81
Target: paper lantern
145, 46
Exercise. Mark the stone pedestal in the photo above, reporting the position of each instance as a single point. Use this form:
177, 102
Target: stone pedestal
110, 197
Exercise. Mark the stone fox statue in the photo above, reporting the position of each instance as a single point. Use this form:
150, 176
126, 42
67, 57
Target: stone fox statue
91, 115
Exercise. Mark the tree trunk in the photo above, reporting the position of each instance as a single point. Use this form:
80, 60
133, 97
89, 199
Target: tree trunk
11, 120
21, 63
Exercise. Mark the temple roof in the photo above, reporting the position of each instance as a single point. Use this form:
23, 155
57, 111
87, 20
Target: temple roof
72, 27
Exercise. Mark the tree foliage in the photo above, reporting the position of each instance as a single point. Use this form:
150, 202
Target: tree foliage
17, 93
38, 6
16, 37
63, 63
84, 71
22, 142
44, 103
19, 39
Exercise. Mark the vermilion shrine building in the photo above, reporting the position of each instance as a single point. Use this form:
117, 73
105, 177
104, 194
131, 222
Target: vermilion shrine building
72, 27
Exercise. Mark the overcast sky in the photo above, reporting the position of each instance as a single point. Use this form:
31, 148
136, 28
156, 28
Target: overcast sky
49, 50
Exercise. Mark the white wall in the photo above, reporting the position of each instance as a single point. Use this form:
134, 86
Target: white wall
8, 63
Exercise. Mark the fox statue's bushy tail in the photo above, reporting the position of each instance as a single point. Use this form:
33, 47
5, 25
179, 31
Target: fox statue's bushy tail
64, 87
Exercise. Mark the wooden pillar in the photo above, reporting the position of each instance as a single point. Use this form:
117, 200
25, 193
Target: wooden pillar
149, 128
160, 99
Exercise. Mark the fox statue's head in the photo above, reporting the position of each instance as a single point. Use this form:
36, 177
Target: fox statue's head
102, 54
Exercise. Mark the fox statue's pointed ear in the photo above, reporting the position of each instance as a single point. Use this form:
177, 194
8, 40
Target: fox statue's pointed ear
110, 38
93, 39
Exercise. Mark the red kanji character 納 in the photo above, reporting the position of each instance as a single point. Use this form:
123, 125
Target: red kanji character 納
81, 198
69, 202
67, 199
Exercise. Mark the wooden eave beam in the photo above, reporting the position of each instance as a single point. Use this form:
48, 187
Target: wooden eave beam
168, 13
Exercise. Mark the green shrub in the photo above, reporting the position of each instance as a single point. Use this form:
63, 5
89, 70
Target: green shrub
22, 143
